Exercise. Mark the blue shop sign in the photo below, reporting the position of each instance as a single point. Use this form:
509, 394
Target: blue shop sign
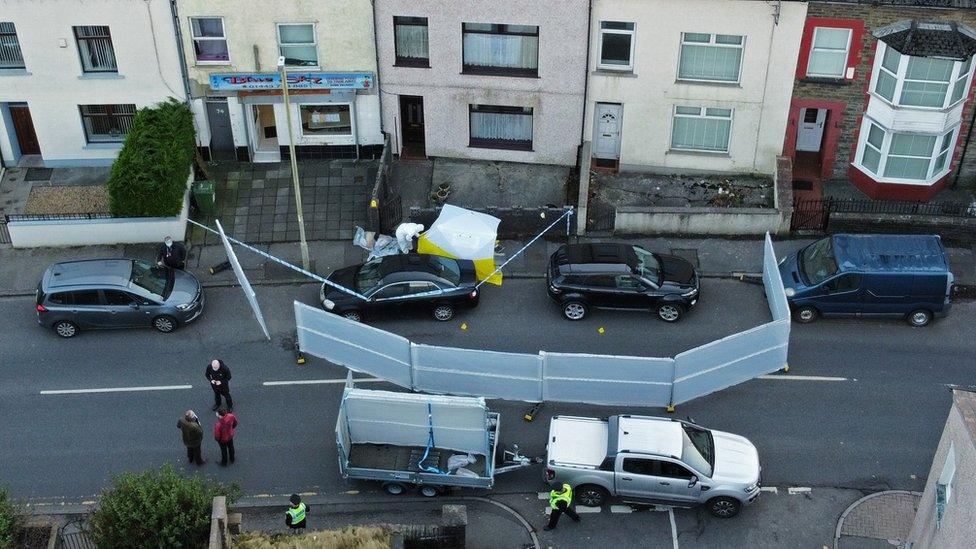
296, 80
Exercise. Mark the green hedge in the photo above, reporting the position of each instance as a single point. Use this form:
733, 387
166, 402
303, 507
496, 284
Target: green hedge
149, 176
10, 522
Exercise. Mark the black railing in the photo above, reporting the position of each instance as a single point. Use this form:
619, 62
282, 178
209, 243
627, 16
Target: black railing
840, 205
57, 217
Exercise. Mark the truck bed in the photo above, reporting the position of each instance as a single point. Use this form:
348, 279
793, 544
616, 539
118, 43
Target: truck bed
577, 441
386, 457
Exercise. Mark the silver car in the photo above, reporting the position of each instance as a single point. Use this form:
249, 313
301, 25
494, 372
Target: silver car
652, 460
116, 293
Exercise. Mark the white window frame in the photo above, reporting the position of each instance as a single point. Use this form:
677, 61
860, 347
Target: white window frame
703, 113
629, 67
223, 31
314, 43
957, 74
952, 135
847, 52
328, 136
12, 49
711, 43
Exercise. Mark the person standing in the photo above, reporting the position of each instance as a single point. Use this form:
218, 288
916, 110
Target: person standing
171, 254
224, 435
219, 375
192, 436
295, 515
560, 498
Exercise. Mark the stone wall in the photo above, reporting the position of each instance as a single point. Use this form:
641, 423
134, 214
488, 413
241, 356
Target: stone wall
953, 230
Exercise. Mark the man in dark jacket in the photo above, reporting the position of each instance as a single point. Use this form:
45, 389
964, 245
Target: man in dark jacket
192, 436
219, 375
171, 254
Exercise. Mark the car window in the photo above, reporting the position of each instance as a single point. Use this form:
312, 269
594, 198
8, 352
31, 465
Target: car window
151, 277
601, 281
116, 297
446, 268
420, 287
574, 280
626, 282
844, 283
85, 297
62, 298
393, 290
639, 466
647, 265
673, 470
369, 275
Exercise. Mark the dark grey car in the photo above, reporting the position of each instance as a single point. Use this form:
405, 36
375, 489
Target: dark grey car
116, 293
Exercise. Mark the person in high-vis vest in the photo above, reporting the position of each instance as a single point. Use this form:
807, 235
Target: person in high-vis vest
560, 499
296, 514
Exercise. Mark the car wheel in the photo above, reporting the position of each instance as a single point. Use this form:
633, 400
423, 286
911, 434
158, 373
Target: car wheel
394, 488
805, 314
590, 496
575, 310
65, 329
443, 312
670, 312
354, 316
724, 507
430, 491
920, 318
165, 324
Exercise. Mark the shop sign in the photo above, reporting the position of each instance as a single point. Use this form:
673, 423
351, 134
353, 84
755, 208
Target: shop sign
296, 80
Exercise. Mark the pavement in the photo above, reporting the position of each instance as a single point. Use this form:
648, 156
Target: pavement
881, 519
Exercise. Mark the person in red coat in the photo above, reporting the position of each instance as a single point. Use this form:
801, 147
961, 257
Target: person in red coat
224, 435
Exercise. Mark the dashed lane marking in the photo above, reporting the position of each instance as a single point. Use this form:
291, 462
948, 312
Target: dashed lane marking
793, 490
543, 495
584, 509
319, 381
621, 509
116, 390
791, 377
770, 489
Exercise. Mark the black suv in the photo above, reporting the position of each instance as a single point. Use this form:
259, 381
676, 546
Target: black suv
620, 276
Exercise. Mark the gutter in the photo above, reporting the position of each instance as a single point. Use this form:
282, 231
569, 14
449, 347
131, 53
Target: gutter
586, 71
179, 50
376, 55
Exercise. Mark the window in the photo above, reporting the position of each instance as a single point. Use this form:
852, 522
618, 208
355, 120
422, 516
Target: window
904, 156
843, 283
627, 282
85, 297
415, 288
10, 55
95, 47
334, 119
828, 55
928, 82
710, 57
410, 41
616, 46
63, 298
391, 291
508, 50
943, 487
673, 470
496, 127
639, 466
118, 298
296, 43
209, 40
600, 281
107, 123
701, 129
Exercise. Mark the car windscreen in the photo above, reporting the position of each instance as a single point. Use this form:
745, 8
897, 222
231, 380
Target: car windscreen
446, 268
817, 261
369, 275
152, 278
698, 449
648, 267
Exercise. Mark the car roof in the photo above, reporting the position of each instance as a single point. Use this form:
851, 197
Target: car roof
889, 253
649, 435
596, 253
92, 272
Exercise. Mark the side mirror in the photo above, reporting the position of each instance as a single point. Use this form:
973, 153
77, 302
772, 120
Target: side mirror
133, 305
692, 482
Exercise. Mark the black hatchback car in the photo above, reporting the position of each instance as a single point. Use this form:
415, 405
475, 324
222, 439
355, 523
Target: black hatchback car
405, 282
621, 276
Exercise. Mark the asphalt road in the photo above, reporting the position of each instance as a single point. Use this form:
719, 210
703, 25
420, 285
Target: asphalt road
877, 428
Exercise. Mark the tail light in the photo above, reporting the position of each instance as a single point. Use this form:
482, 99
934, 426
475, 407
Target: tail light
473, 294
550, 474
41, 309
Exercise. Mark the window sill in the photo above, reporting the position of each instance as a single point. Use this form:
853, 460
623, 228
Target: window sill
211, 63
709, 83
103, 146
14, 72
629, 73
100, 76
500, 72
685, 152
501, 146
425, 64
839, 81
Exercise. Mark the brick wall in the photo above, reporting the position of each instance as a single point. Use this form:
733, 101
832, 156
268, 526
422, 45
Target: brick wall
854, 93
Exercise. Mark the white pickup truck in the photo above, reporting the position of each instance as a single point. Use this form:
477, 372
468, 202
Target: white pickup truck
652, 460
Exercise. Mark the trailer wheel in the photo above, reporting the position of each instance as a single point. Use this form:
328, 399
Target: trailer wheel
394, 488
430, 491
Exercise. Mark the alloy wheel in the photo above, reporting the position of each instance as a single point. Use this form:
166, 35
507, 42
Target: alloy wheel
574, 311
443, 312
723, 508
164, 324
669, 313
65, 329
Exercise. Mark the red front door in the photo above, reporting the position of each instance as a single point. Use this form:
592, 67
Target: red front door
24, 127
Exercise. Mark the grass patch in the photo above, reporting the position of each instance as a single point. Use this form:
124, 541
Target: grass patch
351, 537
67, 200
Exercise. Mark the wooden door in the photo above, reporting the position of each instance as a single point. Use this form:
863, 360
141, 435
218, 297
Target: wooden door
24, 127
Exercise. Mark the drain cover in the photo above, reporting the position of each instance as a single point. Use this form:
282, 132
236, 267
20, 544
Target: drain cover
38, 174
691, 254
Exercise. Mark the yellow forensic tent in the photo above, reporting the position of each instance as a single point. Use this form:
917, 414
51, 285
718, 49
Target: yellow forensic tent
463, 234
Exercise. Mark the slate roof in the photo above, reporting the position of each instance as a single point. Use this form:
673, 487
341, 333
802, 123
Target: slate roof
930, 39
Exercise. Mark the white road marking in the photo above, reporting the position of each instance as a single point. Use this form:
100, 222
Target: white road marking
543, 495
674, 529
320, 381
621, 509
770, 489
803, 378
793, 490
116, 390
584, 509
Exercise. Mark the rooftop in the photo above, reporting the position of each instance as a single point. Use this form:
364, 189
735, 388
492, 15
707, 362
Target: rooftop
890, 252
929, 38
649, 435
965, 402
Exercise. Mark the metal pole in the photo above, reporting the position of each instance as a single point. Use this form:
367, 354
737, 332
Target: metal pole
294, 167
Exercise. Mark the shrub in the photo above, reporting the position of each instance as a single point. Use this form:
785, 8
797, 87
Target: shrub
10, 521
149, 176
156, 508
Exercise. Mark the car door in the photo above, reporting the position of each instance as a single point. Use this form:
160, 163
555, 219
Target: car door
674, 479
841, 295
125, 310
86, 309
601, 290
389, 298
630, 293
637, 478
887, 294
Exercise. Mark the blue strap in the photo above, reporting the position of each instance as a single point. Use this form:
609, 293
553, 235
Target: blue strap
430, 444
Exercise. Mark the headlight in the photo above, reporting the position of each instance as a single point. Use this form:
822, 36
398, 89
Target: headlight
184, 306
753, 487
790, 292
690, 293
328, 304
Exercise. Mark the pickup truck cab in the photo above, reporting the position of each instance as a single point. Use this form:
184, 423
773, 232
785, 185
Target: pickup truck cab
652, 460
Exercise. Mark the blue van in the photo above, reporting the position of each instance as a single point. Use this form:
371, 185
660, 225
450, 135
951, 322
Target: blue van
902, 276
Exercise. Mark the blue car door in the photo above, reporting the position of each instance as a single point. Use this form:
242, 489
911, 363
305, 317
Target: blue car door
841, 295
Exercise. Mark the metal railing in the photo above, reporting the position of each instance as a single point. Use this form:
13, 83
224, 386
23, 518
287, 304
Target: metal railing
57, 217
841, 205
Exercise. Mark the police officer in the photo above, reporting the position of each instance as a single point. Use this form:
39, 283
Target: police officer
560, 499
295, 515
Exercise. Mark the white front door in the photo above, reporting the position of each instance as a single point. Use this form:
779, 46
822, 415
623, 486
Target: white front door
810, 134
607, 122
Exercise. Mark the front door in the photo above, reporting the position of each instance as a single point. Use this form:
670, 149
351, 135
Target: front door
810, 134
24, 128
221, 136
606, 131
412, 122
841, 295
